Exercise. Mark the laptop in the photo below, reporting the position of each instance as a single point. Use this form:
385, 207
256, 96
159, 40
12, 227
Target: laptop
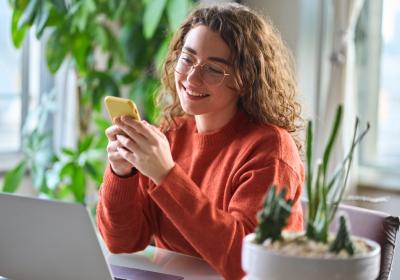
46, 239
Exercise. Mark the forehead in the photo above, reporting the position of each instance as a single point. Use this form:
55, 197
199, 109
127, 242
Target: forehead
206, 43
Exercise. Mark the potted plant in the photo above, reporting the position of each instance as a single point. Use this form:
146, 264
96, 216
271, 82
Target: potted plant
113, 48
273, 253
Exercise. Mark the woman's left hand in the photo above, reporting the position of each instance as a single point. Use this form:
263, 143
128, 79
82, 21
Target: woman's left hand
146, 147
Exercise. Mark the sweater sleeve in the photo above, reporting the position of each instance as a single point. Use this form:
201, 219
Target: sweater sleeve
215, 234
123, 213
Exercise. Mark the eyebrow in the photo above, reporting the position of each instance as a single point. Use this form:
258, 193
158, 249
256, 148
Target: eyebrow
212, 58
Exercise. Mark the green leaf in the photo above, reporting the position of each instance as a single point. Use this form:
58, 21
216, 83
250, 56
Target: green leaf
29, 14
176, 12
101, 123
55, 18
102, 83
80, 51
152, 16
56, 49
309, 159
101, 37
18, 34
332, 138
133, 45
79, 184
60, 6
67, 171
42, 16
162, 52
93, 172
13, 178
85, 143
68, 152
19, 4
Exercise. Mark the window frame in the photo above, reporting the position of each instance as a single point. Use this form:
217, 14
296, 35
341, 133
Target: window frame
372, 174
8, 159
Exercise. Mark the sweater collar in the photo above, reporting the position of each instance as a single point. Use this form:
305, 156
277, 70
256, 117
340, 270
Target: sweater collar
222, 135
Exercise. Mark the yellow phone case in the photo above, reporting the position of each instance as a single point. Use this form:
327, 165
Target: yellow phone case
117, 107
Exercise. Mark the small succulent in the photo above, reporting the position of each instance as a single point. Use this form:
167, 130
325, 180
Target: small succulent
273, 217
343, 240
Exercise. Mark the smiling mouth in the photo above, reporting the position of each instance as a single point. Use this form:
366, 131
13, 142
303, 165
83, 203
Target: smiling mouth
194, 94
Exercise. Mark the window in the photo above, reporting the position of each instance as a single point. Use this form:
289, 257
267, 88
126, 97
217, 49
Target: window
378, 59
20, 74
10, 86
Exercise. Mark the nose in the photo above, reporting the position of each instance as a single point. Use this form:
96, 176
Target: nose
194, 76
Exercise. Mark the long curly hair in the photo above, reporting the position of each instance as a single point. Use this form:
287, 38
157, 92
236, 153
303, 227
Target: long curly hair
263, 68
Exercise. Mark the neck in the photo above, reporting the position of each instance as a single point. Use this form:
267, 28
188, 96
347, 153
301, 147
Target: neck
208, 123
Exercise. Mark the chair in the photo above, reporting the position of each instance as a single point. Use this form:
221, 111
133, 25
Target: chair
375, 225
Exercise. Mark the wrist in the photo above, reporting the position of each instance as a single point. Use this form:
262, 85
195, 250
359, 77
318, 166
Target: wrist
125, 174
159, 179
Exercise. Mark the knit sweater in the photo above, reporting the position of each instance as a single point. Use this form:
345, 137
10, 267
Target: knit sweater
208, 202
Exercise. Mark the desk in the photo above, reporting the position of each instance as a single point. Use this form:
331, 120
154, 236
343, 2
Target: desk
165, 261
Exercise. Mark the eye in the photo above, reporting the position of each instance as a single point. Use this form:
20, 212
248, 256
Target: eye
186, 59
214, 69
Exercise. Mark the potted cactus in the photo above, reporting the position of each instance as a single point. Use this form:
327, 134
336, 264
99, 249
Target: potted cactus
272, 253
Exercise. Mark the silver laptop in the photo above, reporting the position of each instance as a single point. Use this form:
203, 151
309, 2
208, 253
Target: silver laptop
44, 239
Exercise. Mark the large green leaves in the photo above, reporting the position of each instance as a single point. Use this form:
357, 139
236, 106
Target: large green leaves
18, 34
57, 48
176, 11
43, 12
152, 16
28, 15
113, 46
59, 5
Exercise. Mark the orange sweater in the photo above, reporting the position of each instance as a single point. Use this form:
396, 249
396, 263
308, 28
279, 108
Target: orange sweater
209, 200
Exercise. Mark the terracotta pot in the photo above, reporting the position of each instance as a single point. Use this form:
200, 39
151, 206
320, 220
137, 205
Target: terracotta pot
260, 263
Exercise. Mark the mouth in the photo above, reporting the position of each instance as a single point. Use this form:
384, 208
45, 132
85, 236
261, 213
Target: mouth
194, 94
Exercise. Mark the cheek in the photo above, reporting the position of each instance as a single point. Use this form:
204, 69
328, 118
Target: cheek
176, 78
232, 84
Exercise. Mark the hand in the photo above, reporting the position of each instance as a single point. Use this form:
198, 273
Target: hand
118, 163
145, 147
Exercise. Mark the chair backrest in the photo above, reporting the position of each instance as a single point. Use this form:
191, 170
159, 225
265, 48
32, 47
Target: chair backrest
375, 225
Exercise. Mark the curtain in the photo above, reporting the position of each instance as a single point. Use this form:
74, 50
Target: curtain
341, 88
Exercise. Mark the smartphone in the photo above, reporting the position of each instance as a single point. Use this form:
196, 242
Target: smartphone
117, 107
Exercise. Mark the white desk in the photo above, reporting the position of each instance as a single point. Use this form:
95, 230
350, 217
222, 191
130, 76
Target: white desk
165, 261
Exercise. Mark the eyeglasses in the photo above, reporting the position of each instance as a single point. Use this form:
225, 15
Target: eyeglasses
211, 73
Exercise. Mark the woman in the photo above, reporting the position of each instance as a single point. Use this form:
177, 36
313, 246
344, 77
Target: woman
229, 110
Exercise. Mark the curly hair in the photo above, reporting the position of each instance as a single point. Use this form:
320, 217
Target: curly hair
262, 66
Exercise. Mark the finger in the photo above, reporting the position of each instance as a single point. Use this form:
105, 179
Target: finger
135, 136
112, 131
154, 129
141, 128
128, 144
128, 156
115, 157
113, 145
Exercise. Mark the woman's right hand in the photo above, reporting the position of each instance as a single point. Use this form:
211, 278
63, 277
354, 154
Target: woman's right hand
119, 165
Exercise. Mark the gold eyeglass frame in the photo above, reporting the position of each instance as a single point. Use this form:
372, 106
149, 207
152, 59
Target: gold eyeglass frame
197, 64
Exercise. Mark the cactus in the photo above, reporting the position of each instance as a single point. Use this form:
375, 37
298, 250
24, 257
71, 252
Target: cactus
273, 217
343, 240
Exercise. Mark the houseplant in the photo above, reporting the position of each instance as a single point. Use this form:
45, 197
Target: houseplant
131, 38
272, 253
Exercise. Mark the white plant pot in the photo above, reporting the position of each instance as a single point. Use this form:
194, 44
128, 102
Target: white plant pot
259, 263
